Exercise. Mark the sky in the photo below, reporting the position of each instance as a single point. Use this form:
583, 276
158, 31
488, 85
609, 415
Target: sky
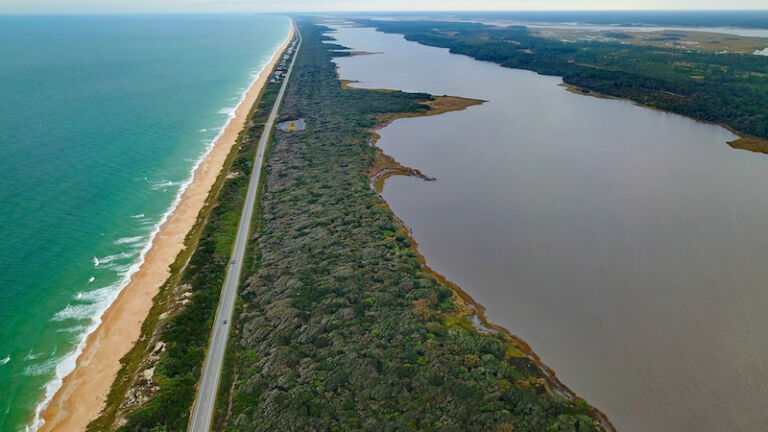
128, 6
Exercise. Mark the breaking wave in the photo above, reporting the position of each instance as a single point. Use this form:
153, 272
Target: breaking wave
129, 240
63, 366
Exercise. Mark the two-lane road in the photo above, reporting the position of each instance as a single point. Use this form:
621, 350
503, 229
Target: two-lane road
202, 411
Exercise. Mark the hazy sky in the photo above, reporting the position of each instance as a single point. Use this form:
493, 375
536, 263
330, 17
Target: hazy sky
89, 6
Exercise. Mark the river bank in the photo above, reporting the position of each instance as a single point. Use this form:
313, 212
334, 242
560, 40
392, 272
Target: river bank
83, 392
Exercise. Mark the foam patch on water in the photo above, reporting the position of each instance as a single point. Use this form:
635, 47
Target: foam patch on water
119, 262
129, 240
120, 269
117, 257
5, 360
44, 368
95, 295
78, 312
762, 52
228, 111
67, 363
166, 184
63, 366
75, 329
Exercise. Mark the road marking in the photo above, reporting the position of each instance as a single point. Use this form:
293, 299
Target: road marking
202, 410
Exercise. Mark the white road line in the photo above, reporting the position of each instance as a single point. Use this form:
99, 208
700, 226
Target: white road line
202, 410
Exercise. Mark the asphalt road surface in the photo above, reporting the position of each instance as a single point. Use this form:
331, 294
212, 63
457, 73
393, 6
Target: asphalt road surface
202, 410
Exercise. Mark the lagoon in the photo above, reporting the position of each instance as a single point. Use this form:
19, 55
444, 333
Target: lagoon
625, 245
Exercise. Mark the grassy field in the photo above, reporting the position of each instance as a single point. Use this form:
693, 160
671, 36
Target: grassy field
685, 40
758, 145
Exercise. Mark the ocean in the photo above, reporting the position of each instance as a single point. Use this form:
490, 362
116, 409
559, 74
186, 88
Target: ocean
102, 121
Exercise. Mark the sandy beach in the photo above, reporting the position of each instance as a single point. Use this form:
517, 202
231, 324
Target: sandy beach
84, 391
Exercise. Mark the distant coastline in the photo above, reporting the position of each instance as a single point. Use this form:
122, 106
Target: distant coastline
523, 300
78, 398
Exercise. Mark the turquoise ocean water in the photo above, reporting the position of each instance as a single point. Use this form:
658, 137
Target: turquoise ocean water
102, 120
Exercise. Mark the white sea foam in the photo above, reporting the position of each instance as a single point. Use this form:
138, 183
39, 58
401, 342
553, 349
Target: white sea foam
203, 130
95, 262
31, 356
166, 184
91, 279
129, 240
74, 329
762, 52
228, 111
120, 269
41, 369
67, 363
96, 295
116, 257
119, 262
5, 360
138, 216
76, 312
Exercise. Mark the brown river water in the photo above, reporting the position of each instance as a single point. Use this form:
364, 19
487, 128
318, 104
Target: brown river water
627, 246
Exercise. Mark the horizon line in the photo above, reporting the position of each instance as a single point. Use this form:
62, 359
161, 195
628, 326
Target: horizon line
287, 12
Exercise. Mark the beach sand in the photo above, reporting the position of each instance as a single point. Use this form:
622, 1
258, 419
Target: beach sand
84, 391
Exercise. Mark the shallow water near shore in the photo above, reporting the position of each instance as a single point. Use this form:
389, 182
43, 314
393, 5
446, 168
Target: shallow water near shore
103, 119
625, 245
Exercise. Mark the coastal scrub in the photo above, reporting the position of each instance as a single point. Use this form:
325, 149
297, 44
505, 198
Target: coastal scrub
342, 327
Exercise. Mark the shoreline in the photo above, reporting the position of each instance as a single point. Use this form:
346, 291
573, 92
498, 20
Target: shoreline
467, 306
82, 393
464, 301
743, 142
